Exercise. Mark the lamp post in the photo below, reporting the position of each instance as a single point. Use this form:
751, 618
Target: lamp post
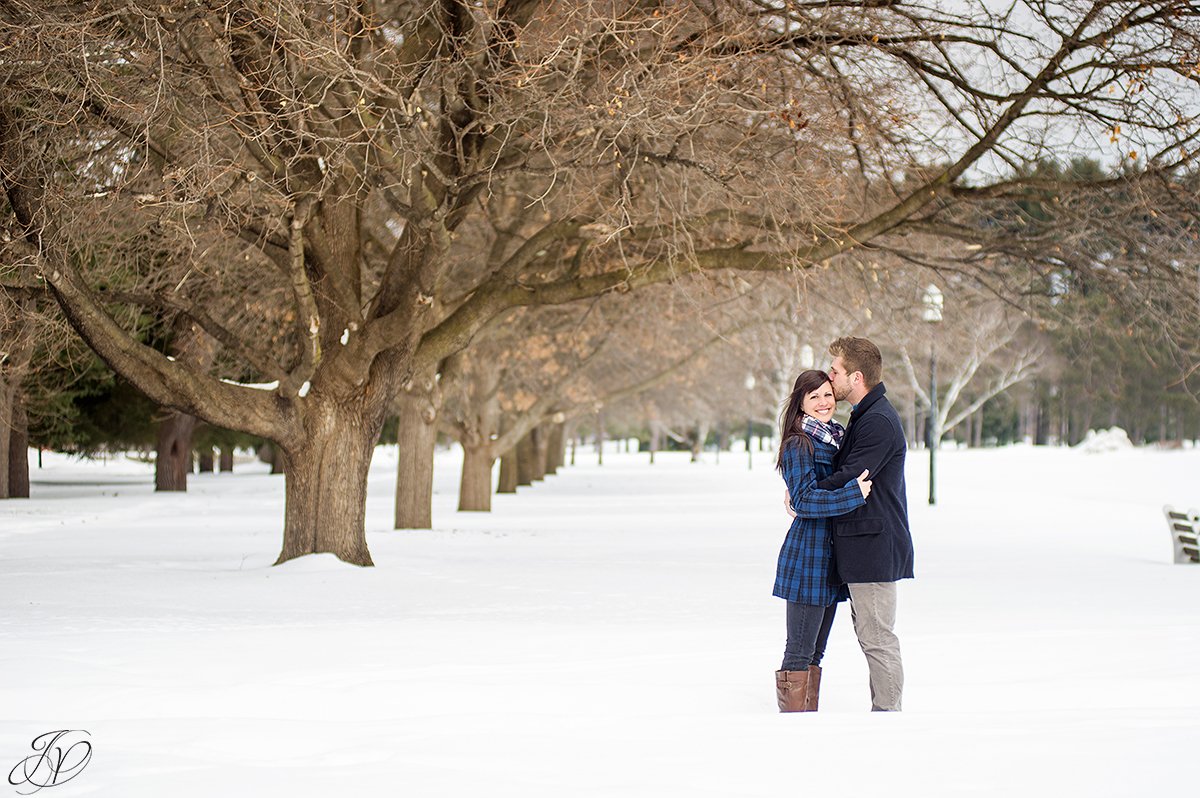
932, 314
749, 426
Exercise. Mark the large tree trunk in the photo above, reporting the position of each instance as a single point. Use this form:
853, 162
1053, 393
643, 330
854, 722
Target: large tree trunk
508, 472
173, 461
326, 478
475, 492
18, 451
225, 462
16, 354
414, 471
525, 456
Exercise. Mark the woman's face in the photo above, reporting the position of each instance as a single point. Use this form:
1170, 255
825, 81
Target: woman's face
820, 404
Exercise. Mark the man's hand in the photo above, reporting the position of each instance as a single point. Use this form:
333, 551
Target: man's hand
787, 502
864, 484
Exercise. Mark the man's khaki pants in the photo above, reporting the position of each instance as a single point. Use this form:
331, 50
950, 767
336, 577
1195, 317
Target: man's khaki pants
873, 608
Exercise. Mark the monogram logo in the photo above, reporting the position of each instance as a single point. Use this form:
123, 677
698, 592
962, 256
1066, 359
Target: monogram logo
60, 756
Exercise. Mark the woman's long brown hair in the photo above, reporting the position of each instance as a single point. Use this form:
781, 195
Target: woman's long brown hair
789, 420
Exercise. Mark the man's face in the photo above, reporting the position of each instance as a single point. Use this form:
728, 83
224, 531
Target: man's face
840, 379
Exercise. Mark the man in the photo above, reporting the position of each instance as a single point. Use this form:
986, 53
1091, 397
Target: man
872, 546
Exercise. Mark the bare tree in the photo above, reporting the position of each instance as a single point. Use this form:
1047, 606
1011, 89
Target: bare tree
982, 350
298, 178
578, 360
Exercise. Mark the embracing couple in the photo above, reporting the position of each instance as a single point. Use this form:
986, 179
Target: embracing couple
849, 536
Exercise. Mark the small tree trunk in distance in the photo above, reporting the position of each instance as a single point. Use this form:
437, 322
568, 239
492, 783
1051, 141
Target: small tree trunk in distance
8, 395
525, 457
225, 462
600, 437
272, 455
568, 434
18, 451
1065, 434
538, 436
508, 472
508, 465
173, 461
978, 427
1031, 418
414, 471
698, 441
1042, 428
206, 460
554, 449
475, 493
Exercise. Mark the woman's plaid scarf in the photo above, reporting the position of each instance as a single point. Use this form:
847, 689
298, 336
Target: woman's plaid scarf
832, 433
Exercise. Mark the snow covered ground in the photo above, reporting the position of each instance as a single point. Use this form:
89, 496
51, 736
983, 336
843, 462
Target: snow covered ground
609, 632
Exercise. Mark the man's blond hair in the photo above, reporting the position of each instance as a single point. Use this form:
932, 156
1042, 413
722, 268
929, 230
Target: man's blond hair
859, 354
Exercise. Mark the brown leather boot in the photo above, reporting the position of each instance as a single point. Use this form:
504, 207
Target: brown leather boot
814, 688
791, 690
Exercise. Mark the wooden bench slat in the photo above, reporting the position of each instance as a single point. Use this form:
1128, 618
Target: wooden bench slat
1185, 534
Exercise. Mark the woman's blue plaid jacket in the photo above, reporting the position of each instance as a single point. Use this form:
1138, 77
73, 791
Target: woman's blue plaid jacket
803, 573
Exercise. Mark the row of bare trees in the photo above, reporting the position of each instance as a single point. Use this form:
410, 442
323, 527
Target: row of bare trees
347, 197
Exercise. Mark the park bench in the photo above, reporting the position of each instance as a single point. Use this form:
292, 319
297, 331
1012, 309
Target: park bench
1185, 530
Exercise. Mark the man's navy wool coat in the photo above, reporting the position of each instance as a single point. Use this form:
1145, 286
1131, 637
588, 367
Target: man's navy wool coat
873, 543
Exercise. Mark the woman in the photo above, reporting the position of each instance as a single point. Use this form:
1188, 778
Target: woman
809, 438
